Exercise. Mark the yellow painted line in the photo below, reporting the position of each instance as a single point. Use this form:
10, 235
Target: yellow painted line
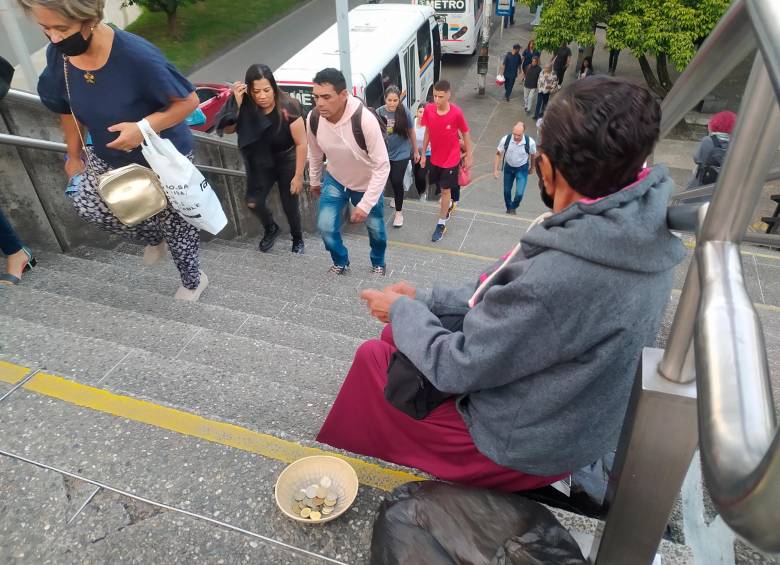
692, 245
412, 204
431, 249
758, 305
11, 373
369, 474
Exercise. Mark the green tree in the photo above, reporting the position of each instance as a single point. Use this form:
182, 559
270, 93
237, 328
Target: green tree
168, 6
668, 30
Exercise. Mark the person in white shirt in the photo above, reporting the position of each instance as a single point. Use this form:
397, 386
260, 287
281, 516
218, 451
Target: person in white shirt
515, 155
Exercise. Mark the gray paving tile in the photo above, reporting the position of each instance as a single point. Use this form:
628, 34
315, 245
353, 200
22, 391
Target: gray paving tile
199, 476
94, 320
492, 240
36, 346
305, 338
769, 278
265, 360
256, 401
363, 327
113, 294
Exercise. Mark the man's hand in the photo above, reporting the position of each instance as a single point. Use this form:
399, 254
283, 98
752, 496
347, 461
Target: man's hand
469, 160
416, 156
422, 161
403, 288
129, 138
495, 173
358, 216
315, 189
379, 303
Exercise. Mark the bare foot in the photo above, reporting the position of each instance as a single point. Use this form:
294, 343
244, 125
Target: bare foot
16, 263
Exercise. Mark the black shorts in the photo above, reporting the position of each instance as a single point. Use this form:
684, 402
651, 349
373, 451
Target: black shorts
444, 178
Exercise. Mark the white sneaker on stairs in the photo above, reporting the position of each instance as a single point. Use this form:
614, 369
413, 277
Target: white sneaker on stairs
153, 254
193, 294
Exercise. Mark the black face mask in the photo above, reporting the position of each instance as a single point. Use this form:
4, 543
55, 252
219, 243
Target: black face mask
546, 198
74, 45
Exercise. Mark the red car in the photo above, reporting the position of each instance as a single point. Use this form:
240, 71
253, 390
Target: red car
212, 97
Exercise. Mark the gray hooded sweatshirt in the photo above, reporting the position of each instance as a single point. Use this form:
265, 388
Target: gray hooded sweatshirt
550, 346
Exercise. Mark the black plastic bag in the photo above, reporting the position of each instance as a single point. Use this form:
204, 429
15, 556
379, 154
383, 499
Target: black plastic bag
435, 523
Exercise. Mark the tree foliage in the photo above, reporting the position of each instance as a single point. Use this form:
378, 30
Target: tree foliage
168, 6
669, 30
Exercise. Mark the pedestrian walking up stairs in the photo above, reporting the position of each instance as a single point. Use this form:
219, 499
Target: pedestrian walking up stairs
194, 407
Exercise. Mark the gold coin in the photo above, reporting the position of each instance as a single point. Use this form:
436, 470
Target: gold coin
319, 501
326, 482
306, 512
311, 492
330, 503
315, 516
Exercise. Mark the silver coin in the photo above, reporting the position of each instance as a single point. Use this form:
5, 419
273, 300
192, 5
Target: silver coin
327, 510
330, 503
300, 495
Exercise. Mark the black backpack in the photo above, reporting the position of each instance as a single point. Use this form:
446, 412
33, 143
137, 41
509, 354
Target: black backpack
709, 170
506, 146
357, 125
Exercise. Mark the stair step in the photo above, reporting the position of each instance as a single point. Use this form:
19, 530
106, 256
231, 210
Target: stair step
177, 340
259, 402
254, 300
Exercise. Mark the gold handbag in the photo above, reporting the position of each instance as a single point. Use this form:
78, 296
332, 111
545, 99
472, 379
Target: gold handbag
133, 193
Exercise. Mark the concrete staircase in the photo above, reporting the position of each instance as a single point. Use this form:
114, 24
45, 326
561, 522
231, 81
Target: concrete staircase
266, 349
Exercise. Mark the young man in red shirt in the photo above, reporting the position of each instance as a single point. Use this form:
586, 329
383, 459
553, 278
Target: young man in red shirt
444, 125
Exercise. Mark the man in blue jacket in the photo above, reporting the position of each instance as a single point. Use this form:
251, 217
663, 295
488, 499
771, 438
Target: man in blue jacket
545, 357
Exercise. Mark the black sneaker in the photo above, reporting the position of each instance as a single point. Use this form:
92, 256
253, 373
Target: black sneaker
339, 270
269, 238
377, 271
298, 247
439, 232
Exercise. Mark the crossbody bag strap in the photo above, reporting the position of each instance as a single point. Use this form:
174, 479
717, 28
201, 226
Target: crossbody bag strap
70, 104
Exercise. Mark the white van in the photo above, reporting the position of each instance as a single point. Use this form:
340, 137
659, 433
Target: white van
460, 24
389, 44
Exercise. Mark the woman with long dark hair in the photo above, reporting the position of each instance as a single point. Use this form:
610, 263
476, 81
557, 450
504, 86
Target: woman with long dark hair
586, 68
529, 53
272, 140
401, 145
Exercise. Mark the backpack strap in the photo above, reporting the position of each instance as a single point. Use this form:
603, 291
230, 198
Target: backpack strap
506, 146
527, 146
357, 128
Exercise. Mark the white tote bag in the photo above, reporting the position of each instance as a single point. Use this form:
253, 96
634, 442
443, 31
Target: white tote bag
408, 177
187, 190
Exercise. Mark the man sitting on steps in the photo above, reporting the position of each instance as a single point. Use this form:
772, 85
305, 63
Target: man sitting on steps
539, 354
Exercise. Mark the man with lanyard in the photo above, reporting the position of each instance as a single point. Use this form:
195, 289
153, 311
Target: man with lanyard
444, 124
510, 68
515, 153
357, 169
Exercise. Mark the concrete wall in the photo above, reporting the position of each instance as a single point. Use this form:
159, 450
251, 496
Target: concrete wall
32, 187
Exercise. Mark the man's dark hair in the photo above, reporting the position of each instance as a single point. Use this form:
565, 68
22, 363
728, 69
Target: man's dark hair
598, 133
331, 76
442, 86
516, 47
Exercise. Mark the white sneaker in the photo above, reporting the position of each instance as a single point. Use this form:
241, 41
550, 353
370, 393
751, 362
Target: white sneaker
423, 197
398, 221
192, 294
153, 254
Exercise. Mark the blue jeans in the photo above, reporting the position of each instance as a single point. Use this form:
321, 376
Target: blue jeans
514, 175
333, 199
9, 241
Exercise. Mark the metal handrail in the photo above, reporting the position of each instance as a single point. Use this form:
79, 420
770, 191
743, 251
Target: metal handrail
45, 145
709, 189
29, 98
739, 442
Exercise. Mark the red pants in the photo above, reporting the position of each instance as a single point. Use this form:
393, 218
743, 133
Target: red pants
362, 421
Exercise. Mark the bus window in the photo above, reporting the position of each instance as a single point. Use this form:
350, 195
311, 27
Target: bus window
410, 66
391, 74
424, 43
436, 54
375, 96
477, 7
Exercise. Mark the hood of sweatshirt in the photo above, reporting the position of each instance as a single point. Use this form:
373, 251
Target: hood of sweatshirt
626, 230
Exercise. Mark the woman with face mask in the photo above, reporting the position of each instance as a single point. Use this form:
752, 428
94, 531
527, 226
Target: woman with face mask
401, 145
272, 140
105, 80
